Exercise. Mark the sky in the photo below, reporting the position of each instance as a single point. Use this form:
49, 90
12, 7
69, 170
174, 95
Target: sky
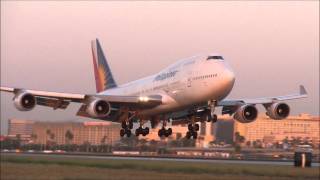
273, 47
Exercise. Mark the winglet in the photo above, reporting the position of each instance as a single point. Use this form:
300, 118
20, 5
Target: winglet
303, 90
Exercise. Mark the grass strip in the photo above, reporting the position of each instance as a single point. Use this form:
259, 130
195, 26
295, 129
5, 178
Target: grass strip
172, 167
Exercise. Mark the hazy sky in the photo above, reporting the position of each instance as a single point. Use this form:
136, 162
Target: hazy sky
273, 47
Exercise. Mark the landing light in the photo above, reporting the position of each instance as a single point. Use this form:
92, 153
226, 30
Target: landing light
143, 98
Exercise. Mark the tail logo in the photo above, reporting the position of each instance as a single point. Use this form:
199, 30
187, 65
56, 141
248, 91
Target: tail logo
102, 72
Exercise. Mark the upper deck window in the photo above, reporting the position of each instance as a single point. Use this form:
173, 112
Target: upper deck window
215, 57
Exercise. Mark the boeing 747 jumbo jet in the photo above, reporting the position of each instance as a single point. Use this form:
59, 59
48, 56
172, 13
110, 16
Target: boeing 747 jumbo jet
187, 92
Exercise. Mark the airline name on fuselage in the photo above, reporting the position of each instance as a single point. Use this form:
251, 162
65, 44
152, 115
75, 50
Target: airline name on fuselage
166, 75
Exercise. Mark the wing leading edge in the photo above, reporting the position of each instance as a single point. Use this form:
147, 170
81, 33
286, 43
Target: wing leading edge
266, 100
62, 100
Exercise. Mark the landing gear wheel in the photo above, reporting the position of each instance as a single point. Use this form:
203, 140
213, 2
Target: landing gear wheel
122, 132
209, 117
190, 127
124, 125
137, 132
164, 132
215, 118
145, 131
195, 135
128, 132
196, 127
130, 124
188, 135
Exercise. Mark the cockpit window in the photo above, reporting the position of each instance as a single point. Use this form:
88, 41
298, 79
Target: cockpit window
215, 57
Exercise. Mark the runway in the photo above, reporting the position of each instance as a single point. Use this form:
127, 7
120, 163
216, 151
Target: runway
213, 161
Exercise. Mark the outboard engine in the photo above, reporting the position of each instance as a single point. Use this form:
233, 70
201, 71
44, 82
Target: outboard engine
277, 111
24, 101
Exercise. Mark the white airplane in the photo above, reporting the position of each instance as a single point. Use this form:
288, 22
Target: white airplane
189, 89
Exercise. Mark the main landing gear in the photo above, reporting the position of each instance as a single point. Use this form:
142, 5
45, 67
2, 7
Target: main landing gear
212, 118
141, 130
192, 131
163, 132
126, 128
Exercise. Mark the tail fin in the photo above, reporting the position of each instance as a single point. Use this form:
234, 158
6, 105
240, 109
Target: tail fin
102, 71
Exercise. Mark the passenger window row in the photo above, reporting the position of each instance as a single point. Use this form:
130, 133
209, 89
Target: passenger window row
204, 77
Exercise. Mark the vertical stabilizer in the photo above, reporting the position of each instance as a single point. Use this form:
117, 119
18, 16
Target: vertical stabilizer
102, 71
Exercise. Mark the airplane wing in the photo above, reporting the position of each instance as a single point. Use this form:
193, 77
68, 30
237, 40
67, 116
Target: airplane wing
266, 100
59, 100
229, 106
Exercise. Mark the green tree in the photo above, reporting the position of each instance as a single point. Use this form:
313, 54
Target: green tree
69, 136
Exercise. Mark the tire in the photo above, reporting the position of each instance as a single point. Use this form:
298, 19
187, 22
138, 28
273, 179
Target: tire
160, 133
188, 135
130, 124
215, 118
124, 125
195, 135
147, 130
169, 131
209, 117
122, 132
128, 132
196, 127
190, 127
137, 132
166, 133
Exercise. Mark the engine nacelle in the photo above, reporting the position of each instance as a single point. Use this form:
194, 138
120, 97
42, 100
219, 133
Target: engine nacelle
98, 108
277, 111
246, 114
24, 101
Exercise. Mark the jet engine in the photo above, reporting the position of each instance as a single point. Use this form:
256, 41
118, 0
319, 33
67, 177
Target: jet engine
277, 111
24, 101
246, 114
98, 108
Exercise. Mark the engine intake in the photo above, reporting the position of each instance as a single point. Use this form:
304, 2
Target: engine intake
24, 101
246, 114
98, 108
277, 111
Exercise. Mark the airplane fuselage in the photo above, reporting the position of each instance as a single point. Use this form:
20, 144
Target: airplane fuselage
188, 82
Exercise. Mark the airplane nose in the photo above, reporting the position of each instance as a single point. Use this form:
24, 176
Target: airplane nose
229, 76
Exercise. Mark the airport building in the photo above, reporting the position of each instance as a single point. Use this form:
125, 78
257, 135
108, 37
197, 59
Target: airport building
264, 129
19, 128
90, 132
268, 130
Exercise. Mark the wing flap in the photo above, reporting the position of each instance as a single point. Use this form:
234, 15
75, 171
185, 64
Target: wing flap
54, 103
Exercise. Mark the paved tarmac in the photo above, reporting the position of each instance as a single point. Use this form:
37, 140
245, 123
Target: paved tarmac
281, 163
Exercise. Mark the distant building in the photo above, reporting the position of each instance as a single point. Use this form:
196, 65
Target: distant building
91, 132
224, 130
18, 128
268, 130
